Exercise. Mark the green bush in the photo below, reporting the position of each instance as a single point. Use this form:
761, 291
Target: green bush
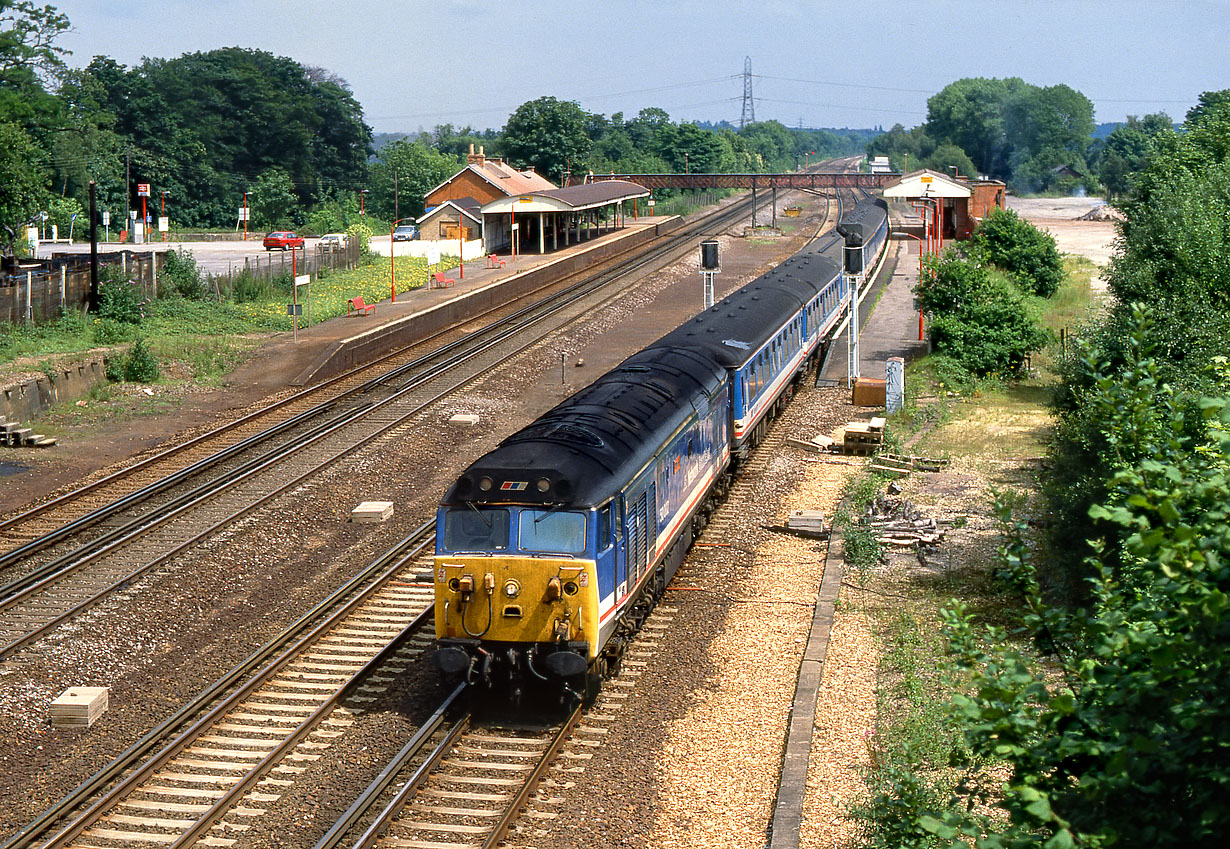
120, 299
247, 288
140, 366
360, 234
108, 331
1021, 249
182, 273
977, 318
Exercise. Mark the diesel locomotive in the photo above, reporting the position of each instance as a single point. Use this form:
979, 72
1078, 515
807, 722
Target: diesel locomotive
552, 548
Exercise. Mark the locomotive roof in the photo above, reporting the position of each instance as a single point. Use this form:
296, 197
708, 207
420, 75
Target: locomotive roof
604, 433
735, 328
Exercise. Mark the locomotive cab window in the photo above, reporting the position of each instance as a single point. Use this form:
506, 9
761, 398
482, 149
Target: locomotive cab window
552, 531
476, 529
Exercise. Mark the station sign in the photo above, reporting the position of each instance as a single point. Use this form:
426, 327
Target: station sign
525, 200
243, 213
142, 190
106, 216
164, 223
926, 178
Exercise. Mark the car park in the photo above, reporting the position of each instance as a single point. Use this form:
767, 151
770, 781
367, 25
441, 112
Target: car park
332, 242
282, 239
405, 232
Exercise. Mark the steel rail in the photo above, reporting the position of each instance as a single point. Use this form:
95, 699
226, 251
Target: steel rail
367, 799
138, 496
378, 571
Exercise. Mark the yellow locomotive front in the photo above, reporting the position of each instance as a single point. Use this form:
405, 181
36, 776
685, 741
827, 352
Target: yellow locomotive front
516, 595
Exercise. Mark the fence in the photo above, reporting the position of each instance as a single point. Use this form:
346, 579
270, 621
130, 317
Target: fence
42, 295
275, 264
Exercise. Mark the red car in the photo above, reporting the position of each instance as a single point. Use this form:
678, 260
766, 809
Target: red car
283, 240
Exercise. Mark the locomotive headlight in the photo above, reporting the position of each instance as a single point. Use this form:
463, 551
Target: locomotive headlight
543, 484
512, 589
485, 484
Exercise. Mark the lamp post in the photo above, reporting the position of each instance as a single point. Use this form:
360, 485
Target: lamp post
362, 192
163, 195
392, 267
245, 216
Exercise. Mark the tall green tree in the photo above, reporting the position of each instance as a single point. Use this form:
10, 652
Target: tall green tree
970, 114
22, 184
547, 135
402, 175
273, 198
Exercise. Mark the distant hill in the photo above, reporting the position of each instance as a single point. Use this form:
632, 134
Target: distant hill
1101, 131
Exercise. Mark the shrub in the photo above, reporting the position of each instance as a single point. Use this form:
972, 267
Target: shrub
978, 319
360, 234
119, 298
247, 287
1021, 249
108, 331
182, 273
140, 366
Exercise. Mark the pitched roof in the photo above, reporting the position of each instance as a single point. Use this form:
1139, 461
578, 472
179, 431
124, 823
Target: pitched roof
504, 177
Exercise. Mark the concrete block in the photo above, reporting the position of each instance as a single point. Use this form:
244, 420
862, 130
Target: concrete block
372, 511
467, 419
79, 706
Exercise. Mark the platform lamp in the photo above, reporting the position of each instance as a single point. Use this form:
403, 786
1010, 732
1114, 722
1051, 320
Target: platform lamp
163, 197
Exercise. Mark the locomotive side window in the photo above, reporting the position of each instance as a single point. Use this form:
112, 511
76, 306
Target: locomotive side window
604, 528
476, 529
547, 531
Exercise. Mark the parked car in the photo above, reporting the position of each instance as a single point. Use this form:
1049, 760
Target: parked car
405, 232
283, 240
332, 242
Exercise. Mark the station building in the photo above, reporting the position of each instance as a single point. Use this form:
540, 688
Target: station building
958, 204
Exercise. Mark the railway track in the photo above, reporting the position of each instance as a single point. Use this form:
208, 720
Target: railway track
80, 565
212, 768
466, 791
71, 513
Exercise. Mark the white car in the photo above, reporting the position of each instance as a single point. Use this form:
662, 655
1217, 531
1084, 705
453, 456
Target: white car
332, 242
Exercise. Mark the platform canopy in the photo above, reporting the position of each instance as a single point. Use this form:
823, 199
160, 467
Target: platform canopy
570, 199
927, 184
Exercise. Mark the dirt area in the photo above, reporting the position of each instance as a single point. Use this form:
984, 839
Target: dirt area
1062, 218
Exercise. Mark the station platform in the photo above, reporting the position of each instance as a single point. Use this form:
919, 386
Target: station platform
888, 319
331, 347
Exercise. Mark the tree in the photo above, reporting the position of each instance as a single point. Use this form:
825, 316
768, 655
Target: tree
1021, 249
418, 170
27, 41
948, 154
547, 135
30, 61
979, 320
970, 114
272, 198
22, 184
1127, 149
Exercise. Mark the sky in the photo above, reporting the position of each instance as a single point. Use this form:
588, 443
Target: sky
414, 65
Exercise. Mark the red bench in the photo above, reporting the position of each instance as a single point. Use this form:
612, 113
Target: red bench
439, 281
494, 261
355, 306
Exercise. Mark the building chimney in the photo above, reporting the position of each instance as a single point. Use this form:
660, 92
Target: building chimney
470, 157
482, 156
